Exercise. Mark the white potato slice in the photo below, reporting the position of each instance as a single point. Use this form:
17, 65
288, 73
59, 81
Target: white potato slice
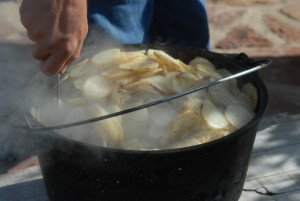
225, 73
162, 114
158, 71
111, 126
129, 55
210, 135
140, 63
118, 95
244, 100
251, 91
207, 71
185, 121
107, 57
238, 115
232, 84
213, 117
186, 142
78, 132
36, 113
135, 122
220, 95
80, 69
76, 101
131, 144
202, 61
117, 74
180, 81
96, 87
78, 65
194, 104
166, 60
157, 82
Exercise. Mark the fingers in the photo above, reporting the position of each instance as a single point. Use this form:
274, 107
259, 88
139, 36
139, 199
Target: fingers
54, 63
57, 61
40, 52
74, 56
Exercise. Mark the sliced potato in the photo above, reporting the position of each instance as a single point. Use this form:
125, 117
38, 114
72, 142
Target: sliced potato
118, 95
202, 61
78, 83
213, 117
136, 122
194, 104
117, 74
162, 115
158, 71
124, 81
252, 92
180, 81
157, 82
131, 144
244, 100
166, 60
36, 113
185, 121
76, 114
232, 84
210, 135
140, 63
220, 95
107, 57
96, 87
80, 69
238, 115
207, 71
111, 126
76, 101
129, 55
186, 142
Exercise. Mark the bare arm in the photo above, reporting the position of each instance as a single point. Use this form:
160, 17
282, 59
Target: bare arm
58, 28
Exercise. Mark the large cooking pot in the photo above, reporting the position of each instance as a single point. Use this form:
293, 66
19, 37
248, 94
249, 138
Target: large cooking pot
214, 171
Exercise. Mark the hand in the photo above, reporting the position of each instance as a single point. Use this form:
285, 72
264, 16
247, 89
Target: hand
58, 28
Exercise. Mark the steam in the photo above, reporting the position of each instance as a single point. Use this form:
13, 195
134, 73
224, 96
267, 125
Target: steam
141, 129
17, 68
22, 85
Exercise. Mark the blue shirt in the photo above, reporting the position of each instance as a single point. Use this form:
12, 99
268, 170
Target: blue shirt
181, 22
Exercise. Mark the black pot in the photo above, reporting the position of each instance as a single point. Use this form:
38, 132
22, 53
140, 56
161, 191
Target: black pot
214, 171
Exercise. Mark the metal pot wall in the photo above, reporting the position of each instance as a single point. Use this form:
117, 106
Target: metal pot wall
213, 171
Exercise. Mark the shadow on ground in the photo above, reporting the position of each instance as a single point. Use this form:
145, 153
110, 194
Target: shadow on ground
282, 79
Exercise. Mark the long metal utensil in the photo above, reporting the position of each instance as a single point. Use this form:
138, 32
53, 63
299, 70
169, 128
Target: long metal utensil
165, 99
58, 91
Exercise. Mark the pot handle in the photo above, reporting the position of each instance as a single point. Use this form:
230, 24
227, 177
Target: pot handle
243, 60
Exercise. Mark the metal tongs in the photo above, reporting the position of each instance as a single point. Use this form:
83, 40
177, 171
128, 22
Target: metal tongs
262, 64
58, 92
